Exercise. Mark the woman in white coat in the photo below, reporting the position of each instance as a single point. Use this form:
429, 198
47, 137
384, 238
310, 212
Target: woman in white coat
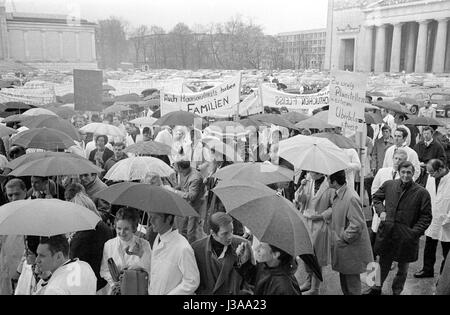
439, 229
314, 199
127, 250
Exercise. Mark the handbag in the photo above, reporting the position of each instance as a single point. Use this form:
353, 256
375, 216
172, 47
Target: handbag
134, 282
113, 270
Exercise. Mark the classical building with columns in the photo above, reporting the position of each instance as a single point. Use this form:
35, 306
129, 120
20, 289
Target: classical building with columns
388, 36
47, 41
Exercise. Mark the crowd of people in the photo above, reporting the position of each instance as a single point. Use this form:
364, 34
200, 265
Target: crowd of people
407, 182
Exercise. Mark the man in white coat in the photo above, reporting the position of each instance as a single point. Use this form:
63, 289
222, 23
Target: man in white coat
69, 276
438, 185
400, 136
174, 269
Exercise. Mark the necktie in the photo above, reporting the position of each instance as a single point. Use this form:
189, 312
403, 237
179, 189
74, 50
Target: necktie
394, 175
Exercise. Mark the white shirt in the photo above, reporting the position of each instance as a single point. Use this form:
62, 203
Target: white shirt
73, 278
174, 268
390, 121
115, 249
383, 175
440, 207
412, 157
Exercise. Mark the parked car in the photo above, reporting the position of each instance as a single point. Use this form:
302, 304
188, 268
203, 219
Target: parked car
441, 100
413, 100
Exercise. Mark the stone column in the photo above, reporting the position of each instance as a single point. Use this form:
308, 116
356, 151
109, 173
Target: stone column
367, 66
25, 45
94, 54
77, 45
380, 49
421, 54
439, 46
396, 47
410, 47
61, 46
44, 46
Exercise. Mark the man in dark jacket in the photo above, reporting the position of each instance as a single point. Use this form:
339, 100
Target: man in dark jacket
217, 260
404, 208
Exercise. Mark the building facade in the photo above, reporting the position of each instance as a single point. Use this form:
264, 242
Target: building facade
46, 40
303, 49
388, 36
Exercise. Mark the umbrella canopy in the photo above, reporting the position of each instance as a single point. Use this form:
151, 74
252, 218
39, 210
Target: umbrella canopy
62, 164
249, 122
271, 218
265, 173
45, 217
294, 117
43, 138
6, 131
274, 119
149, 148
144, 121
423, 121
29, 157
64, 112
11, 106
107, 87
39, 111
373, 118
226, 129
313, 154
102, 129
339, 140
178, 118
393, 106
133, 97
116, 108
66, 98
53, 122
137, 168
148, 198
313, 123
16, 118
222, 148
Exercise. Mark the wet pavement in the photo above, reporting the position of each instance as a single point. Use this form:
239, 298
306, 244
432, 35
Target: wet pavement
413, 286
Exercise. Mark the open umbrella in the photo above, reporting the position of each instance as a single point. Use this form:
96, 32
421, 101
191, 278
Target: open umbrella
29, 157
107, 87
295, 117
249, 122
179, 118
137, 168
102, 129
313, 123
43, 138
132, 98
6, 131
149, 148
64, 112
45, 217
393, 106
39, 111
274, 119
12, 106
53, 122
148, 198
116, 108
66, 98
373, 118
265, 173
339, 140
62, 164
423, 121
313, 154
16, 118
144, 121
271, 218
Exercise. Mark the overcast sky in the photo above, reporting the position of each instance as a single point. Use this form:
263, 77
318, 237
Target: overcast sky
274, 15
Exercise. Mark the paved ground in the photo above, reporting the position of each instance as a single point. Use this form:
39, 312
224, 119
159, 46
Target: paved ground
413, 286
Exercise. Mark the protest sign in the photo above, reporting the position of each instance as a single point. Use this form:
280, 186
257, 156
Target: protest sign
88, 90
305, 103
220, 101
347, 98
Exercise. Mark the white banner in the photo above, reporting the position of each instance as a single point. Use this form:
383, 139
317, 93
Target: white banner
137, 86
220, 101
30, 96
347, 98
304, 103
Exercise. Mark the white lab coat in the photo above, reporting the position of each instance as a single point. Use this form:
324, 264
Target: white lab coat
440, 207
73, 278
174, 268
412, 157
355, 165
115, 249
